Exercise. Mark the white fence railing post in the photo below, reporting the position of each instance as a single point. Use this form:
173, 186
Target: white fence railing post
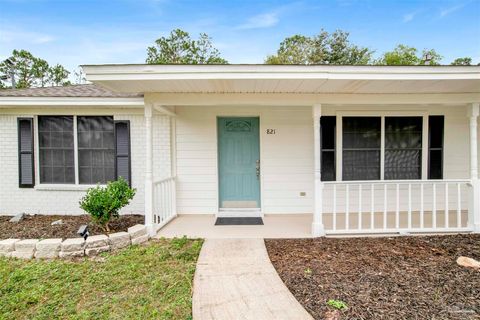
149, 219
317, 226
474, 207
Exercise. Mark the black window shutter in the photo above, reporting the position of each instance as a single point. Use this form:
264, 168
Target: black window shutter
26, 173
327, 147
122, 150
435, 146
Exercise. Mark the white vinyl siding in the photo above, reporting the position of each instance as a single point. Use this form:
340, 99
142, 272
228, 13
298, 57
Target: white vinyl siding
286, 158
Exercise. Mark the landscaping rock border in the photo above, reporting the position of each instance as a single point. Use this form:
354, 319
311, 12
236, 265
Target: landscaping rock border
72, 247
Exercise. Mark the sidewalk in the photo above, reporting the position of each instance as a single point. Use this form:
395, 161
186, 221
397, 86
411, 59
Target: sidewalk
235, 279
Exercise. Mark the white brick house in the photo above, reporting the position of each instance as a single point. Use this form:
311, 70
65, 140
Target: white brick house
365, 149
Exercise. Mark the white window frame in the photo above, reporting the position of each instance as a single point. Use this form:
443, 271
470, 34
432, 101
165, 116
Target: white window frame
382, 115
61, 186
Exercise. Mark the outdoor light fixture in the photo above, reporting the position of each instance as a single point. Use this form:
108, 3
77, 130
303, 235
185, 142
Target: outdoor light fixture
83, 231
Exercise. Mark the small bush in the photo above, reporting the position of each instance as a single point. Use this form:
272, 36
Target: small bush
103, 203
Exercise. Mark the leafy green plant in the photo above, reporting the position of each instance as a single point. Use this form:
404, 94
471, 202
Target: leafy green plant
103, 203
337, 304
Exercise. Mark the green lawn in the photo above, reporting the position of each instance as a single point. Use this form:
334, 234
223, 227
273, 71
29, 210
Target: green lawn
140, 282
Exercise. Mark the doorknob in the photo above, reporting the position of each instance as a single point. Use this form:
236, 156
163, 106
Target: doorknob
257, 168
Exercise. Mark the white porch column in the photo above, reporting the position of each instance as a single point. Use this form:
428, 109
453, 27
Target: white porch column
474, 210
149, 223
317, 226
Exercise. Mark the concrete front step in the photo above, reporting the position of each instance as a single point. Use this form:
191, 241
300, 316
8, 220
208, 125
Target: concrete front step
239, 212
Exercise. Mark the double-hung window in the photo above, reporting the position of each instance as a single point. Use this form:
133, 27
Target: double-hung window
361, 148
94, 146
56, 149
96, 149
403, 148
381, 147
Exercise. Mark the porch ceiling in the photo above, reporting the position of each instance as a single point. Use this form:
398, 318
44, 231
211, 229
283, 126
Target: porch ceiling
285, 79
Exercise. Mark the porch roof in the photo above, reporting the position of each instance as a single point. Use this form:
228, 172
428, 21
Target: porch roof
314, 79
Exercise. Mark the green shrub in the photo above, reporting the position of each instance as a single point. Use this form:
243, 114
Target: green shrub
337, 304
103, 203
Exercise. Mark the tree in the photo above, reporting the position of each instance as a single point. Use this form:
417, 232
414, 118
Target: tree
403, 55
79, 76
297, 49
21, 67
41, 70
29, 71
466, 61
58, 75
323, 48
180, 48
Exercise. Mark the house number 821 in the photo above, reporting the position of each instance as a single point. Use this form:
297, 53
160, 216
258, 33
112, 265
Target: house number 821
271, 131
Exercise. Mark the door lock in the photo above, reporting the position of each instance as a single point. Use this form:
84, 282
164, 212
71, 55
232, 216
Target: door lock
257, 168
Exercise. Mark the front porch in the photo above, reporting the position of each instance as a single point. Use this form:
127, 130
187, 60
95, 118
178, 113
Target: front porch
427, 205
203, 226
363, 150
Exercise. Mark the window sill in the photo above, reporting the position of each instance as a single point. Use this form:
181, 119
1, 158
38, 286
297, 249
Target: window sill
64, 187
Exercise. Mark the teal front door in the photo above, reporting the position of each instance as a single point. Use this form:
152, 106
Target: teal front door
239, 162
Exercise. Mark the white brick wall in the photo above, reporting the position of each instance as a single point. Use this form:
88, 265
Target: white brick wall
34, 201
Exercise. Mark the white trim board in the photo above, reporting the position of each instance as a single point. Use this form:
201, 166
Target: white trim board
70, 101
307, 99
382, 114
169, 72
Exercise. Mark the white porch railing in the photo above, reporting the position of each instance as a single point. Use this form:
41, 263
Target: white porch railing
164, 201
399, 206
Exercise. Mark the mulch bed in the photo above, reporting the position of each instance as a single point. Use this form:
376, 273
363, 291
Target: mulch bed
39, 226
382, 278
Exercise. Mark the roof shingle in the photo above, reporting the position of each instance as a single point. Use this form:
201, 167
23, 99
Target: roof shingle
81, 90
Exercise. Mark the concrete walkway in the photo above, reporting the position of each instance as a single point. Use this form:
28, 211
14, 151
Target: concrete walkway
236, 280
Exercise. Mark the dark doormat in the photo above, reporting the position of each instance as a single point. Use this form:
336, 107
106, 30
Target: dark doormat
238, 221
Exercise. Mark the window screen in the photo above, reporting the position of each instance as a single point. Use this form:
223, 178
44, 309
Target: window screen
96, 149
403, 148
361, 148
56, 149
435, 147
327, 147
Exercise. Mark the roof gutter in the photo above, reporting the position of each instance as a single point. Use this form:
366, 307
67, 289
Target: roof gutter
208, 72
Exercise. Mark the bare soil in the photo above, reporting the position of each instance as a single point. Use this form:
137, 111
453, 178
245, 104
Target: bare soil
381, 278
39, 226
